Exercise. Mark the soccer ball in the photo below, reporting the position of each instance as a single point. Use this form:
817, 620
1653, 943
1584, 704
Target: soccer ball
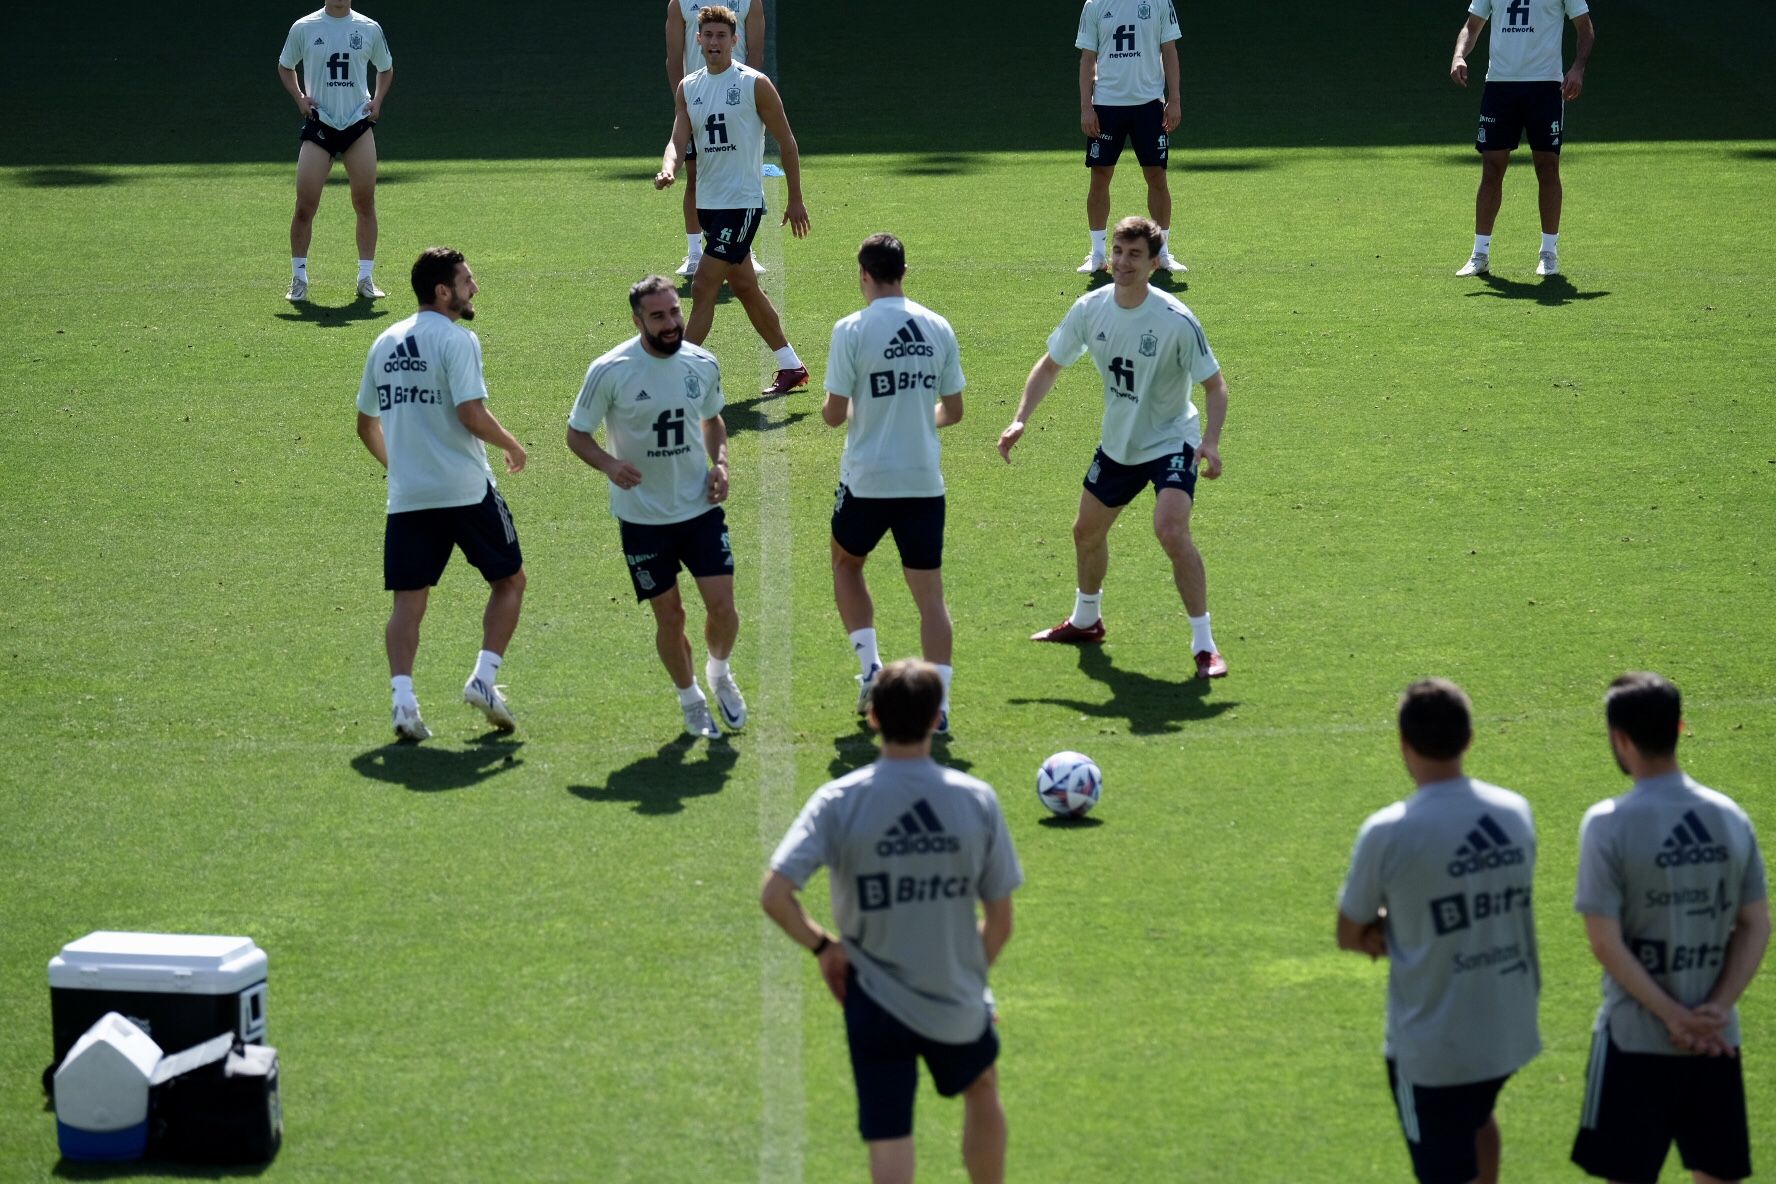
1069, 783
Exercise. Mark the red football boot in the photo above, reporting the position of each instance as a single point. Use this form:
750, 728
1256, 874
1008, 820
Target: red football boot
1070, 634
787, 380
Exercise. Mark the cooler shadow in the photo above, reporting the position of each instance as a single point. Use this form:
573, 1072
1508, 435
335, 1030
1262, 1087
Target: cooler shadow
76, 1169
1151, 706
660, 784
1550, 291
426, 769
745, 415
67, 179
333, 316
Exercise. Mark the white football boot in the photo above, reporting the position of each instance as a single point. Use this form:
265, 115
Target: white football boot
698, 721
368, 290
488, 700
298, 290
729, 702
865, 684
1548, 263
1477, 264
689, 265
408, 725
1092, 265
1169, 262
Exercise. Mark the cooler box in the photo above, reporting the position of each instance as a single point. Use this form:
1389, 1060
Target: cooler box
182, 989
101, 1092
217, 1103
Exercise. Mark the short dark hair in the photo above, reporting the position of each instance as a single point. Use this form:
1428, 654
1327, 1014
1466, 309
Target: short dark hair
1136, 227
721, 14
647, 287
1647, 709
435, 265
907, 696
1436, 719
884, 257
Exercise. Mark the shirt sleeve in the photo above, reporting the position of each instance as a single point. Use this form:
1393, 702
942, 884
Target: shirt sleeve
841, 371
292, 55
1088, 29
1753, 886
1067, 344
380, 57
462, 368
803, 849
951, 381
1576, 8
1169, 31
1363, 895
1199, 360
1600, 889
715, 400
1481, 8
369, 400
1002, 873
593, 401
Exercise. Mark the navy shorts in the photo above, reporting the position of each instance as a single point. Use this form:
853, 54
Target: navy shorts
885, 1064
334, 140
1509, 110
1117, 484
416, 544
858, 524
728, 234
1440, 1123
1145, 124
655, 552
1637, 1104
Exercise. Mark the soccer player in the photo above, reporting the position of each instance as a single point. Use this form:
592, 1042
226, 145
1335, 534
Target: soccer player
894, 373
1672, 889
422, 412
658, 397
1150, 350
909, 847
728, 108
336, 48
1440, 885
681, 50
1128, 89
1525, 94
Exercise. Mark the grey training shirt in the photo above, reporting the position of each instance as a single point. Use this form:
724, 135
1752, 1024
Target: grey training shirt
1453, 864
909, 846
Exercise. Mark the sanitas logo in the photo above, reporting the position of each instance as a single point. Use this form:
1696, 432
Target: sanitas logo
909, 343
1488, 847
1686, 845
405, 357
918, 833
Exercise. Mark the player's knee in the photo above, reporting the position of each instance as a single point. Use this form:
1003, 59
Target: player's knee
670, 618
1174, 537
1492, 168
512, 585
1156, 176
365, 204
1085, 533
305, 209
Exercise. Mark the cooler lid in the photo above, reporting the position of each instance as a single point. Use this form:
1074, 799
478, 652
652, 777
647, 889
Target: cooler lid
205, 964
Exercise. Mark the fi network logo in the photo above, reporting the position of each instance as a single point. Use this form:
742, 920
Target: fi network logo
1488, 847
919, 832
1690, 842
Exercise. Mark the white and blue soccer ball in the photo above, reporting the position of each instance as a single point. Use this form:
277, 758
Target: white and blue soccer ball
1069, 784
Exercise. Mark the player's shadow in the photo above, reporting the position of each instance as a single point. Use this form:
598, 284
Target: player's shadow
1152, 706
745, 415
939, 164
661, 783
1550, 291
333, 316
1165, 281
429, 769
1766, 155
856, 748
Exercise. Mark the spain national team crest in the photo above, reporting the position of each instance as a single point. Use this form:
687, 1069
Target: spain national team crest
693, 387
733, 96
1145, 11
1149, 345
644, 578
357, 40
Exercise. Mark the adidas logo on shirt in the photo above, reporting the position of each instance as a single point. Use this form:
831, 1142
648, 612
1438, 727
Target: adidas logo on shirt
1101, 337
1685, 844
908, 343
320, 41
1488, 847
405, 357
643, 395
918, 833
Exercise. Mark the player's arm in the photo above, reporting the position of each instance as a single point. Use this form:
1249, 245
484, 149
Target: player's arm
384, 80
1088, 77
1036, 387
474, 415
1745, 950
1364, 937
836, 410
675, 45
995, 926
715, 443
777, 896
304, 104
1174, 110
681, 135
770, 109
1696, 1031
755, 35
370, 432
1466, 38
1215, 415
621, 473
1575, 77
948, 410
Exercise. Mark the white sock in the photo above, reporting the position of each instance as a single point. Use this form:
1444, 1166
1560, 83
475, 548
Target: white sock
1482, 244
863, 644
403, 688
1087, 609
1098, 237
299, 267
694, 244
786, 358
1551, 242
487, 667
946, 673
691, 694
365, 267
1165, 242
716, 668
1201, 640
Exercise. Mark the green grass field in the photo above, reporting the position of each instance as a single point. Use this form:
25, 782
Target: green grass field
542, 958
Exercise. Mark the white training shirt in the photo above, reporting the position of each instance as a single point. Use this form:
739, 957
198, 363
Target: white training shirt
1526, 37
1126, 36
693, 52
419, 371
1150, 356
652, 410
335, 53
729, 137
893, 360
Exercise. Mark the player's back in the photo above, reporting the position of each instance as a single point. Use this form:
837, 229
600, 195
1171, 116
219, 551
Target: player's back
893, 359
417, 373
